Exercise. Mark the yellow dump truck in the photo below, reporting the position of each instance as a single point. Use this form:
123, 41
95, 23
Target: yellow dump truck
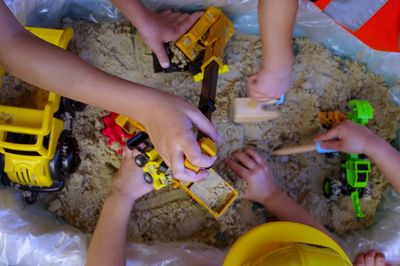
37, 152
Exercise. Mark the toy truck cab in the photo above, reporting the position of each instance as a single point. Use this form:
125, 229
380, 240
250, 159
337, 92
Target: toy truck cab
155, 170
36, 152
356, 172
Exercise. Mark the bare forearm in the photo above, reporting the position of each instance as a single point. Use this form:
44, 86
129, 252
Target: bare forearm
49, 67
387, 159
107, 246
276, 20
286, 209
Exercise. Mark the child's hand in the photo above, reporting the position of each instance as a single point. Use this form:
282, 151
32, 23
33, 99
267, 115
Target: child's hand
348, 137
372, 258
129, 182
249, 165
165, 27
268, 84
169, 121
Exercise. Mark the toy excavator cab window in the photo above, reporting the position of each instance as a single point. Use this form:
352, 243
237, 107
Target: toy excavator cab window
362, 177
362, 167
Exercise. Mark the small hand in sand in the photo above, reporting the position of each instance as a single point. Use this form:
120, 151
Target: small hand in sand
129, 183
268, 84
348, 137
249, 165
371, 258
165, 27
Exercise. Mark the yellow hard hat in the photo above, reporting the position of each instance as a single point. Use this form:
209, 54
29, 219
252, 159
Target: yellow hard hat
286, 243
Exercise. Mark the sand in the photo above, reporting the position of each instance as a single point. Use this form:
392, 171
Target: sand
321, 81
213, 191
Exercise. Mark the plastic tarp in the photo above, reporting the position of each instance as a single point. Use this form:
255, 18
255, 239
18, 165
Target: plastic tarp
29, 235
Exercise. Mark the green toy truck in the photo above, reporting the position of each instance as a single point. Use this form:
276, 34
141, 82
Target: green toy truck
356, 168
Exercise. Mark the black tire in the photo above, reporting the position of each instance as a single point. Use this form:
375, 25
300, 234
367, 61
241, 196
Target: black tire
148, 178
70, 159
141, 160
332, 188
31, 198
72, 106
3, 176
66, 158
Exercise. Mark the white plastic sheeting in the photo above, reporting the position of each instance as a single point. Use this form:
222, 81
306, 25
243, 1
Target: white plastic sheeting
384, 235
30, 235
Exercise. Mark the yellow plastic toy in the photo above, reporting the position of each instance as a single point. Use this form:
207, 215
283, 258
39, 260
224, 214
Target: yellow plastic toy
129, 125
37, 153
216, 212
286, 243
211, 33
329, 119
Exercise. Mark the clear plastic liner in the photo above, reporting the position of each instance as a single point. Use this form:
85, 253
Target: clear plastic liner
173, 254
384, 235
30, 235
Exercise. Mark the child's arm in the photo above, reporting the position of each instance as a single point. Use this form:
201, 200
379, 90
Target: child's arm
353, 138
156, 29
260, 188
167, 118
276, 21
107, 246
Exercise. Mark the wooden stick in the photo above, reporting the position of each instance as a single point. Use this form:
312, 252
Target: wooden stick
294, 150
247, 110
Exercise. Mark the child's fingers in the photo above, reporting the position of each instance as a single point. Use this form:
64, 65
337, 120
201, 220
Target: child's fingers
181, 18
185, 25
161, 53
331, 134
359, 261
237, 168
370, 258
245, 160
332, 145
204, 125
380, 259
255, 156
192, 151
170, 14
128, 154
181, 173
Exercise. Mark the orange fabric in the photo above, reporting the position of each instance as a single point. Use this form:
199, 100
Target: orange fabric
382, 31
322, 3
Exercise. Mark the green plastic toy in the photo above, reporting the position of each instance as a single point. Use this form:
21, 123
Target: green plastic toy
355, 170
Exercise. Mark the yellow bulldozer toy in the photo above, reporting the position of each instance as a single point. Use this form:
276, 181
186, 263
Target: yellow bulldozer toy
37, 151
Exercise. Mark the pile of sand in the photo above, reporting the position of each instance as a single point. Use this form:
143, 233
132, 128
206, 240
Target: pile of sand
321, 82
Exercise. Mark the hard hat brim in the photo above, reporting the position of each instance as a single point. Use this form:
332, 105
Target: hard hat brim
270, 236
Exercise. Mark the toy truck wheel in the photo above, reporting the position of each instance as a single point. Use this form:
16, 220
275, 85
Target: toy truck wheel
141, 160
3, 176
72, 106
70, 159
31, 197
66, 158
148, 178
332, 188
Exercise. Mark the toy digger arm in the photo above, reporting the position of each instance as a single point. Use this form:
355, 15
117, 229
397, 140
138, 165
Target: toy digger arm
356, 204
